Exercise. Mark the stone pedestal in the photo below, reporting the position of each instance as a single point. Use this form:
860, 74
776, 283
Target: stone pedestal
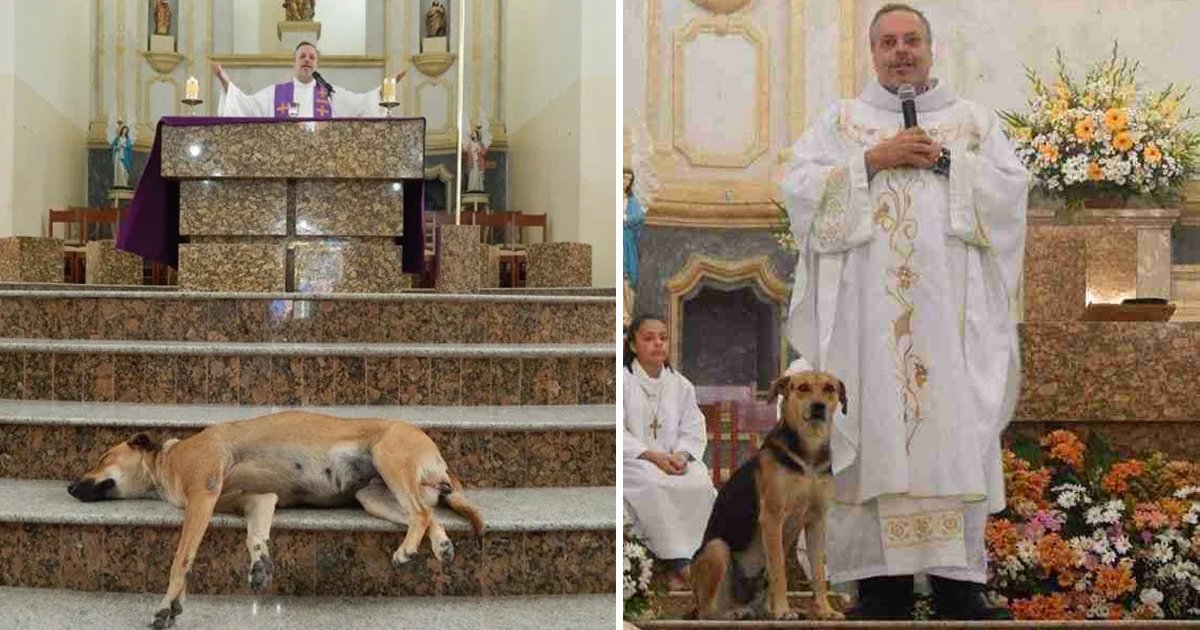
162, 44
31, 259
107, 265
313, 219
560, 265
491, 267
292, 33
459, 255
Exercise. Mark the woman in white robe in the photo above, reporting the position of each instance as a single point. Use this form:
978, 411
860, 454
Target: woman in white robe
668, 490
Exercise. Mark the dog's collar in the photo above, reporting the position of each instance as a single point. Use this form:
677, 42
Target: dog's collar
791, 452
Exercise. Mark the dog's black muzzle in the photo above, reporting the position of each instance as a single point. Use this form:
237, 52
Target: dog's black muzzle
87, 490
816, 412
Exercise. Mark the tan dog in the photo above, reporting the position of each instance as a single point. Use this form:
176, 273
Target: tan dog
759, 513
393, 469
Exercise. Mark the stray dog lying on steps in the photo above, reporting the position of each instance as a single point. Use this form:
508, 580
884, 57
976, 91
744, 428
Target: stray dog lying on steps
294, 458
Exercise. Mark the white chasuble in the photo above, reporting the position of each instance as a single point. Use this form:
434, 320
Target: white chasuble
669, 512
261, 104
905, 290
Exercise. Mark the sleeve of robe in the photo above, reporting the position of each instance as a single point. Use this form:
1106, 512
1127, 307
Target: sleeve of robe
693, 433
236, 103
349, 104
631, 444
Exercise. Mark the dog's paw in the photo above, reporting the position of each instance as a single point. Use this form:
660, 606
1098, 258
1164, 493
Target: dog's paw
261, 572
826, 613
400, 558
445, 551
165, 617
787, 614
740, 614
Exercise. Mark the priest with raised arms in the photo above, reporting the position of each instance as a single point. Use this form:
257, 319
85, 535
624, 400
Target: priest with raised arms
311, 95
911, 244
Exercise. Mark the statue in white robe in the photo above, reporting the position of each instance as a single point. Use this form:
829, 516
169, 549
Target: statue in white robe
668, 512
905, 289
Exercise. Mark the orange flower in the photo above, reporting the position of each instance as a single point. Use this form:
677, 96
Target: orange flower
1178, 474
1085, 129
1114, 582
1152, 154
1001, 537
1049, 152
1148, 516
1115, 119
1095, 173
1026, 488
1123, 141
1053, 606
1174, 509
1116, 479
1054, 554
1065, 447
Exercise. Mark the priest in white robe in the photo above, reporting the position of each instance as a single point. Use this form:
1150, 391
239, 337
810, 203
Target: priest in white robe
306, 95
911, 247
668, 491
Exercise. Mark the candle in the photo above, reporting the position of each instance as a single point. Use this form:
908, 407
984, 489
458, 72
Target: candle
389, 90
192, 92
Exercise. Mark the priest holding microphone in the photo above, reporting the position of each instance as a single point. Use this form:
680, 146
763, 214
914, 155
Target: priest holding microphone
908, 207
307, 95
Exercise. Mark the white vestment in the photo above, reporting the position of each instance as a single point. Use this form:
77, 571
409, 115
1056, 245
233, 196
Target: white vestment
669, 512
905, 290
261, 104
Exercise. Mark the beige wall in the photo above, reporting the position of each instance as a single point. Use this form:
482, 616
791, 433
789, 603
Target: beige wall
48, 83
7, 10
560, 112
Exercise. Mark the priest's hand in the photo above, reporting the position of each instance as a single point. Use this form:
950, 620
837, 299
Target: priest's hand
911, 147
219, 72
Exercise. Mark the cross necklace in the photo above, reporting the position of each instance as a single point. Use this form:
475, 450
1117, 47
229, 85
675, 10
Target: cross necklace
653, 401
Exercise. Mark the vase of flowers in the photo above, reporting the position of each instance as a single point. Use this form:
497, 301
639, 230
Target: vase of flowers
1100, 142
1089, 535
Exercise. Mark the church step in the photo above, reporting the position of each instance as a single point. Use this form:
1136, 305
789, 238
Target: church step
1109, 371
539, 541
54, 609
485, 446
1041, 624
516, 318
182, 372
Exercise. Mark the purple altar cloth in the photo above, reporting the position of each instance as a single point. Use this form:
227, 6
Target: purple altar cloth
150, 228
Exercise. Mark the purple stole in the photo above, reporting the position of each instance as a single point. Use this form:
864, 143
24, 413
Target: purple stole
285, 95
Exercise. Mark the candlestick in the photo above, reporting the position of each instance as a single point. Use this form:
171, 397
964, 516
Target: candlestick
192, 91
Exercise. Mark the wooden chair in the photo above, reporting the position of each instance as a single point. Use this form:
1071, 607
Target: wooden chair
501, 222
433, 221
74, 242
728, 444
515, 249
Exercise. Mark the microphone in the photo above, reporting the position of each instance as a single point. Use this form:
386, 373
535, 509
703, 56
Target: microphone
325, 84
907, 93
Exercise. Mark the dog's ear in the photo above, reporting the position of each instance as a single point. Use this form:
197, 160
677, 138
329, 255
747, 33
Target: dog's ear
777, 388
142, 442
842, 397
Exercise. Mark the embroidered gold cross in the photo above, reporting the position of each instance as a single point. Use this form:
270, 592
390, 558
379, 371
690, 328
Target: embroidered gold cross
321, 110
282, 109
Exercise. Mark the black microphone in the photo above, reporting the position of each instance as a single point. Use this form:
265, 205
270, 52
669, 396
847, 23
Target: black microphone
323, 83
906, 93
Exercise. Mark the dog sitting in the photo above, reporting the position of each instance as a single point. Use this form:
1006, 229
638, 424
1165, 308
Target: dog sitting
295, 458
759, 513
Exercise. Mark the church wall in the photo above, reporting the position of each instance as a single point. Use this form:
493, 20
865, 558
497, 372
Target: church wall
48, 87
598, 107
7, 11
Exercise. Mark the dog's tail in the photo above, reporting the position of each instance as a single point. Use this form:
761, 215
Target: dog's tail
450, 494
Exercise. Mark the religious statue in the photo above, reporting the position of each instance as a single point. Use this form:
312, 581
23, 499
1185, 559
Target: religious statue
634, 220
435, 20
162, 18
299, 10
475, 149
122, 156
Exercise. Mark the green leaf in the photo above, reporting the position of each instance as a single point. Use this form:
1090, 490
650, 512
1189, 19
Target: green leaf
1029, 450
1100, 456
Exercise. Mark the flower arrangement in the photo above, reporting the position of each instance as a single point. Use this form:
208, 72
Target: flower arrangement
638, 577
1088, 536
1102, 137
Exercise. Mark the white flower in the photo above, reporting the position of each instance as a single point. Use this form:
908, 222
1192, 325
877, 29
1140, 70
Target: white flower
1122, 545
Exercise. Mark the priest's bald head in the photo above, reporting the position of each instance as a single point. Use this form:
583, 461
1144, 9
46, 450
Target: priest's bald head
901, 46
304, 64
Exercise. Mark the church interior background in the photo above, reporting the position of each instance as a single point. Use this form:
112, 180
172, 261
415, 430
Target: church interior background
515, 385
715, 93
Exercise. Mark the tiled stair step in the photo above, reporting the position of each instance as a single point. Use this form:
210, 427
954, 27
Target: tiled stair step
187, 372
1130, 438
51, 609
540, 541
369, 318
1109, 371
680, 604
680, 624
486, 447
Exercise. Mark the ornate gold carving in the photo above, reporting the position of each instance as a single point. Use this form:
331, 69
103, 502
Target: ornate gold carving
722, 26
434, 64
757, 269
722, 6
163, 62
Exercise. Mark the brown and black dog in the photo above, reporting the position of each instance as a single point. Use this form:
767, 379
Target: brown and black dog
250, 467
739, 570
